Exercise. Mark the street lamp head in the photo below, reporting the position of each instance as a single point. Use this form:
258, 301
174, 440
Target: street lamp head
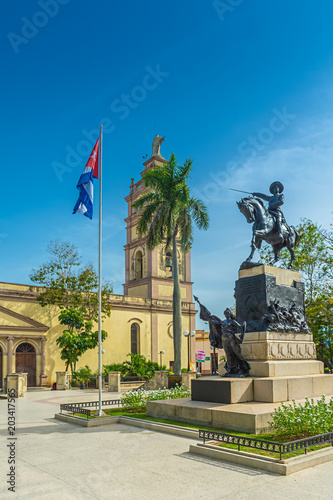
162, 352
186, 333
192, 333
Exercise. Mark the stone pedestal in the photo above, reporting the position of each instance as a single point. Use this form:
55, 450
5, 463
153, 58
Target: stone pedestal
15, 381
283, 362
187, 377
278, 354
62, 381
114, 382
158, 381
270, 299
279, 348
25, 381
222, 390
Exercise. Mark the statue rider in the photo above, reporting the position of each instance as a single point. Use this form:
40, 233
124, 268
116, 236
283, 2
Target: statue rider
274, 203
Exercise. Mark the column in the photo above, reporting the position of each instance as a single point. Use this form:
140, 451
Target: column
10, 356
43, 377
154, 337
113, 381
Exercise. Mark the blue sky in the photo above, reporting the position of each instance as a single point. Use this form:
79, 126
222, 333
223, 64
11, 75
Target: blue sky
241, 87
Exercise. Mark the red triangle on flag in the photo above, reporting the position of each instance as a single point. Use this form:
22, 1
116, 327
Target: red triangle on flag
93, 159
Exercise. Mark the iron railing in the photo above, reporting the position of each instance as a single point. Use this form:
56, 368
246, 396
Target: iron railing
82, 407
75, 409
259, 444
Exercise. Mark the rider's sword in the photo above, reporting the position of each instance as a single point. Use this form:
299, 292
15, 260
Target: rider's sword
231, 189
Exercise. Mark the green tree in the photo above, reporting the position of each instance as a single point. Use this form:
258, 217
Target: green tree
168, 213
320, 320
312, 256
68, 285
78, 338
74, 291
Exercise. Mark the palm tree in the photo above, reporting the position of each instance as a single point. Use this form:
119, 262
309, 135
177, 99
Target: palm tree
168, 213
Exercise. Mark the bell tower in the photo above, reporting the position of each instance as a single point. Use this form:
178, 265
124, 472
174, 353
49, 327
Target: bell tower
148, 273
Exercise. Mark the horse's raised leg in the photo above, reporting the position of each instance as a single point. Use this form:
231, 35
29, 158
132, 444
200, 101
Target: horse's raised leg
276, 251
292, 257
253, 247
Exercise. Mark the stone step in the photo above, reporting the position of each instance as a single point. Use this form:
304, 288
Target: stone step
277, 389
252, 417
284, 368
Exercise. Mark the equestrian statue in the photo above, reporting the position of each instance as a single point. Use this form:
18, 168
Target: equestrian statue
269, 223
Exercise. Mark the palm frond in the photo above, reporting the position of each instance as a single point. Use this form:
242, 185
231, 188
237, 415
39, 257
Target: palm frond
184, 171
185, 228
199, 213
145, 198
147, 216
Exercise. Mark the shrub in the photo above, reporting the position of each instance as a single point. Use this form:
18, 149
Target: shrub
304, 420
137, 366
83, 374
114, 367
137, 400
173, 381
74, 382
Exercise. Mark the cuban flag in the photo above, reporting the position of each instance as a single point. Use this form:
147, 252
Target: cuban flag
84, 204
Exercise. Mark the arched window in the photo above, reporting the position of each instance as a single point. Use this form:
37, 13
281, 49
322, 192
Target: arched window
168, 264
25, 347
135, 338
138, 265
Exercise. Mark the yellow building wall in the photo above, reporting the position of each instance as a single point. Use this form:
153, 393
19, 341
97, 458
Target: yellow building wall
138, 291
125, 312
167, 291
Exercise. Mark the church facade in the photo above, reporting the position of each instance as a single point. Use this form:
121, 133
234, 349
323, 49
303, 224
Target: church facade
140, 321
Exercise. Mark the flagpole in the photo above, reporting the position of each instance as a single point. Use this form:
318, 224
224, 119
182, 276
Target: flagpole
100, 411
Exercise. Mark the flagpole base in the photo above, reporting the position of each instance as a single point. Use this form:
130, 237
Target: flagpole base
99, 413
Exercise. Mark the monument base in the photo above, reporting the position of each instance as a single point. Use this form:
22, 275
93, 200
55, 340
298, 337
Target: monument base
222, 390
286, 368
251, 417
260, 389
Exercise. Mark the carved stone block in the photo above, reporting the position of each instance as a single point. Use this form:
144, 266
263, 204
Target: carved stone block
278, 346
270, 300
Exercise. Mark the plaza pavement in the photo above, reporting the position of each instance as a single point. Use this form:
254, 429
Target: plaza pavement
60, 461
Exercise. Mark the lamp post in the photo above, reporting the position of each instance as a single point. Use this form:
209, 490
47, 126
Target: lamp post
188, 334
214, 367
161, 353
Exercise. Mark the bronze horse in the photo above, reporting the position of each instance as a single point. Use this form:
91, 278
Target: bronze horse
264, 229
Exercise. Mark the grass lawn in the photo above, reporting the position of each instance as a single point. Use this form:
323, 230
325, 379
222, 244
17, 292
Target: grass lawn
266, 437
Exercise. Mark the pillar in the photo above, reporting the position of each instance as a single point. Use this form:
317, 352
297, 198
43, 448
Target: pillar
62, 381
10, 356
43, 377
15, 385
187, 377
113, 381
154, 337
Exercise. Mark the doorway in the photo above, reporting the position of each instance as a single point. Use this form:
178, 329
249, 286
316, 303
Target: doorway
26, 362
0, 368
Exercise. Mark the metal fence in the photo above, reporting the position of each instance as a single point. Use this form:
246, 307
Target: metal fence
259, 444
81, 408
